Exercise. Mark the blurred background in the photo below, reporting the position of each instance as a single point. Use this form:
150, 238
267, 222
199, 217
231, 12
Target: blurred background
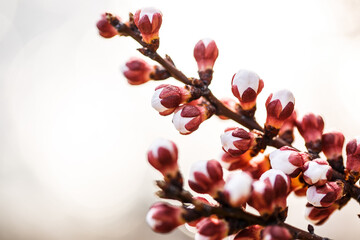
73, 133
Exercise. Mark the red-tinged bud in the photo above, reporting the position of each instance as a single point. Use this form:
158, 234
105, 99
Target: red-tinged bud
262, 197
206, 53
317, 172
230, 104
353, 157
288, 160
319, 215
163, 156
187, 118
106, 30
246, 85
276, 233
280, 183
250, 233
325, 195
287, 129
332, 144
237, 141
148, 21
137, 71
211, 229
233, 163
168, 97
206, 177
164, 218
311, 128
237, 188
279, 107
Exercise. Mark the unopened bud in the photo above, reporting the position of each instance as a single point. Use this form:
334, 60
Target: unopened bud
148, 21
106, 30
187, 118
279, 107
246, 85
206, 53
250, 233
237, 188
163, 156
237, 141
332, 144
276, 233
325, 195
211, 229
206, 177
137, 71
319, 215
311, 128
164, 218
317, 172
287, 129
353, 157
262, 197
168, 97
288, 160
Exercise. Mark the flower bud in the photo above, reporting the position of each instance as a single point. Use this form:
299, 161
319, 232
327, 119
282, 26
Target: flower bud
311, 128
206, 177
288, 160
137, 71
187, 118
211, 229
106, 30
206, 53
164, 218
317, 172
148, 21
332, 144
279, 107
325, 195
262, 197
250, 233
246, 85
280, 183
237, 141
237, 188
276, 233
168, 97
287, 129
163, 156
230, 104
353, 156
319, 215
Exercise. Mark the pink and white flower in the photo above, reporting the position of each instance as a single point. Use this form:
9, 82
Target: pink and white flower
317, 172
237, 188
262, 197
288, 160
237, 141
187, 118
148, 21
325, 195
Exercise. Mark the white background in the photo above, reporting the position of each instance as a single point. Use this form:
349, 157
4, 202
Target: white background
73, 133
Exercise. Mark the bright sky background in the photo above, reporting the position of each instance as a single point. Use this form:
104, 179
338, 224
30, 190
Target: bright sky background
74, 134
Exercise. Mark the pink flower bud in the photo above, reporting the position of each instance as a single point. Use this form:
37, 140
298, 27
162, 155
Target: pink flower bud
279, 107
205, 53
230, 104
237, 141
206, 177
187, 118
317, 172
168, 97
164, 218
106, 30
237, 188
319, 215
262, 197
250, 233
211, 229
311, 128
276, 233
325, 195
332, 144
137, 71
163, 156
246, 85
280, 183
353, 156
148, 21
288, 160
287, 129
